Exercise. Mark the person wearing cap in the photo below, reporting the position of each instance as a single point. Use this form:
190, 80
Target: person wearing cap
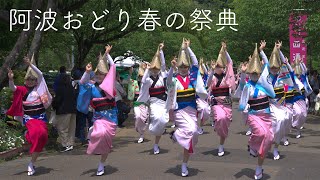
140, 109
279, 76
100, 95
30, 102
154, 92
255, 101
203, 107
222, 82
182, 91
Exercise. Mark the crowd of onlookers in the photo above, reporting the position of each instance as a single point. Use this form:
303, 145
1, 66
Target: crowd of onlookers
314, 98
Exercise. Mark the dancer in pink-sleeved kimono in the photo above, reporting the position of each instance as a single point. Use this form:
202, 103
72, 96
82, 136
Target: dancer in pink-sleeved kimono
255, 99
221, 83
203, 106
182, 91
101, 97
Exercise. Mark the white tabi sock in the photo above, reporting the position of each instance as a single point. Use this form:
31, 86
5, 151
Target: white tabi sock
258, 170
275, 152
100, 166
221, 148
30, 166
184, 167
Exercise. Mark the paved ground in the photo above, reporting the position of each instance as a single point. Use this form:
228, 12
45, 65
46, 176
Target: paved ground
130, 160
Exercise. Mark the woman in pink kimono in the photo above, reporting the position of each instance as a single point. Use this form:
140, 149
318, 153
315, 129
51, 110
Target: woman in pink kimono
222, 83
255, 101
182, 91
300, 91
101, 97
279, 76
203, 107
140, 109
30, 102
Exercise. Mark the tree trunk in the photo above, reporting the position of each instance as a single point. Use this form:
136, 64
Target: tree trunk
36, 41
15, 52
83, 49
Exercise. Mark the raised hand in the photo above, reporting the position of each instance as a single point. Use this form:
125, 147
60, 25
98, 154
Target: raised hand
108, 48
244, 67
148, 65
286, 60
89, 67
174, 62
278, 44
262, 45
144, 65
10, 74
161, 45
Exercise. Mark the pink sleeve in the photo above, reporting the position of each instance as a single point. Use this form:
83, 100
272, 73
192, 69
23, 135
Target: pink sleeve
230, 79
108, 84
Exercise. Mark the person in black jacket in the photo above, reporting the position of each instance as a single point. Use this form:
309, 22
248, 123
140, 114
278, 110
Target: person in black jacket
64, 103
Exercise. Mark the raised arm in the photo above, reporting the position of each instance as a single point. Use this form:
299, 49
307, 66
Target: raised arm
86, 75
11, 82
264, 57
213, 66
205, 68
244, 99
262, 54
209, 81
229, 60
193, 57
109, 58
170, 76
283, 59
163, 61
35, 69
304, 68
170, 73
145, 75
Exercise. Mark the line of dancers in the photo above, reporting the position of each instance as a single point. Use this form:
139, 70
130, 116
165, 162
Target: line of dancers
272, 97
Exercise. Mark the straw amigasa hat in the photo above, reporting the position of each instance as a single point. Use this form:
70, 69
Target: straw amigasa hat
255, 63
30, 72
156, 63
183, 57
275, 58
102, 66
296, 67
222, 59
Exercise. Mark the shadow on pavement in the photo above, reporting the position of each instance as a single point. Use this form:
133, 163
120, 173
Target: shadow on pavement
313, 147
313, 120
107, 171
215, 152
249, 173
177, 171
150, 151
39, 171
270, 155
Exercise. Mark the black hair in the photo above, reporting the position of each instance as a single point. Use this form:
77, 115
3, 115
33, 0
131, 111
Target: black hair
62, 69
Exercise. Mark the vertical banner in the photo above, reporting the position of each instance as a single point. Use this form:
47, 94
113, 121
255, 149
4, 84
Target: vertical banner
297, 33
